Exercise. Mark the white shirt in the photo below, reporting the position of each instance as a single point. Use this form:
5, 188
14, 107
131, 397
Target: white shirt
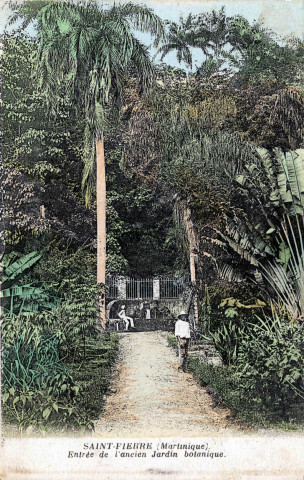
182, 329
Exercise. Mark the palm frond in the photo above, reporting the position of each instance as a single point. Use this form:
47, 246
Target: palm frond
229, 273
88, 183
87, 51
140, 61
142, 18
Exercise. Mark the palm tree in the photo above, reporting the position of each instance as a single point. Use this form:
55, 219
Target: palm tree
208, 32
178, 40
91, 49
214, 26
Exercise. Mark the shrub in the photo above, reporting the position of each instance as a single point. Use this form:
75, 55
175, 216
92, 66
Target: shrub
270, 365
220, 382
32, 367
226, 340
236, 302
265, 380
94, 375
224, 318
49, 380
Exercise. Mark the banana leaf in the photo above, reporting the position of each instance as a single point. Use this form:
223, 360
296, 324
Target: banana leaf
11, 271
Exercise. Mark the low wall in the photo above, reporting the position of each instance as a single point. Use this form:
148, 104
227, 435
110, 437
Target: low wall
163, 313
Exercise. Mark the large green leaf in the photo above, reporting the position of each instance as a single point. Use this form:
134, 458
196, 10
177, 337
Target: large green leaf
11, 271
291, 177
24, 297
23, 291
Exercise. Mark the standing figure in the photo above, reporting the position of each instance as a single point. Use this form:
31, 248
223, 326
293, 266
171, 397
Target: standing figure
147, 311
141, 309
182, 333
123, 316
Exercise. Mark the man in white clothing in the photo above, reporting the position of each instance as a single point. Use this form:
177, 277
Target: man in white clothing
182, 333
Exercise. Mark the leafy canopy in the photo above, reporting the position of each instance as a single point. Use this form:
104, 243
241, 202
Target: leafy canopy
89, 50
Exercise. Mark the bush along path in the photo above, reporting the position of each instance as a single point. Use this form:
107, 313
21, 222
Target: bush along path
56, 368
149, 397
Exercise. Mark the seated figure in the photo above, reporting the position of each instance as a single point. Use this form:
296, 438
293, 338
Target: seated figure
127, 320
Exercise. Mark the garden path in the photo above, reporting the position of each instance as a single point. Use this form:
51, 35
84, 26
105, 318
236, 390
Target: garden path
149, 397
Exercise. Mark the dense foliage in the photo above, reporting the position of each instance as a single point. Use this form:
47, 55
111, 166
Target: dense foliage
57, 359
223, 142
264, 377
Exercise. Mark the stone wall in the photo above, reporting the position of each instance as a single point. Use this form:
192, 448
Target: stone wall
163, 313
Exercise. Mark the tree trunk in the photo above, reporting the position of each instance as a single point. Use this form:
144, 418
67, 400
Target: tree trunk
101, 229
192, 242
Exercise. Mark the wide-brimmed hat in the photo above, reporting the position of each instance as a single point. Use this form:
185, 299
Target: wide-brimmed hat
182, 313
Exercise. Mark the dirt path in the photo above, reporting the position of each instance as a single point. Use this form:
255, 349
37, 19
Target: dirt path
151, 398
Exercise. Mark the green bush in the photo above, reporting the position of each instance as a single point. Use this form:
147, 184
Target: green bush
270, 365
56, 365
265, 380
234, 302
93, 377
225, 317
38, 389
56, 362
226, 340
221, 382
32, 367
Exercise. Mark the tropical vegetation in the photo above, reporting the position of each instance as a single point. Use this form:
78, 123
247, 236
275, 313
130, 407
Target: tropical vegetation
199, 169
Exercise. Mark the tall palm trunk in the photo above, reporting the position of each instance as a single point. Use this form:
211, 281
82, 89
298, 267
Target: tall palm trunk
101, 227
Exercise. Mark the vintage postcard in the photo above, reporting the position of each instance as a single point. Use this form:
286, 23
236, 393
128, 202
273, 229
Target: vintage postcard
152, 239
